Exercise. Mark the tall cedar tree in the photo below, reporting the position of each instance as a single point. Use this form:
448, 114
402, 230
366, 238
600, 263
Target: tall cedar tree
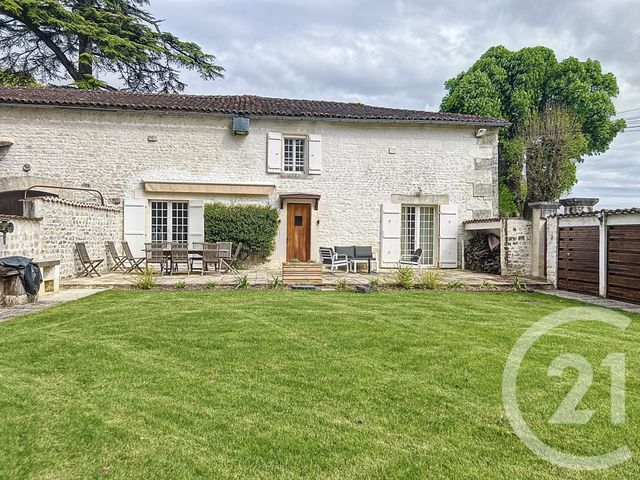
86, 40
516, 85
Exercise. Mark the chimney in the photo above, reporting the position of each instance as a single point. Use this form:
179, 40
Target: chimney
578, 205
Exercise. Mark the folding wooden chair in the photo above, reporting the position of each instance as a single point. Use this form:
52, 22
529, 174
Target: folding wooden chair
229, 260
89, 266
118, 260
210, 256
179, 254
134, 262
154, 253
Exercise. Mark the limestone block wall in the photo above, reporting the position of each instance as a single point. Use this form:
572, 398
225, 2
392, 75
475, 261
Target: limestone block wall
63, 222
25, 239
516, 246
364, 164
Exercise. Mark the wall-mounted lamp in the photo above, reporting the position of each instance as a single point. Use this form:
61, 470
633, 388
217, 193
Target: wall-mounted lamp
481, 132
26, 167
5, 227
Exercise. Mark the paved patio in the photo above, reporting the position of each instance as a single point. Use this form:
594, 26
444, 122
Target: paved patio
47, 301
262, 277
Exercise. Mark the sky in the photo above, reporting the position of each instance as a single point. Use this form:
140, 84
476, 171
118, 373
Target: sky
399, 53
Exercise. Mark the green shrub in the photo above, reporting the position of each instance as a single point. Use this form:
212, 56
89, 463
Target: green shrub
181, 285
146, 280
254, 226
488, 286
211, 285
342, 284
242, 283
457, 285
403, 278
374, 283
276, 282
430, 280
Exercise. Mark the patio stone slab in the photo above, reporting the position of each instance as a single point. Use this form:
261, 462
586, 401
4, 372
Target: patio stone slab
47, 301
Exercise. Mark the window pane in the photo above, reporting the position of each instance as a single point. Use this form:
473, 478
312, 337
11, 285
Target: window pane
179, 222
427, 233
299, 158
288, 154
408, 231
159, 217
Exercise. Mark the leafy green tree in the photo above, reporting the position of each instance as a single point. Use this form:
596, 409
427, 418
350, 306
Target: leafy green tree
515, 86
88, 39
11, 78
553, 141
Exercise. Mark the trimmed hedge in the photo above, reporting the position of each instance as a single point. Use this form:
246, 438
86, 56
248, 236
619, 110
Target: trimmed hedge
254, 226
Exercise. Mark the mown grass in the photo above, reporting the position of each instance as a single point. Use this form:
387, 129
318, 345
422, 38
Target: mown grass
278, 384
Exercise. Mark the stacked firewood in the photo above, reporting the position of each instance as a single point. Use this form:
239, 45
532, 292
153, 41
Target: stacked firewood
482, 253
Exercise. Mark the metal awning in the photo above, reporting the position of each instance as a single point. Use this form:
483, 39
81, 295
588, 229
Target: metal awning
299, 196
165, 186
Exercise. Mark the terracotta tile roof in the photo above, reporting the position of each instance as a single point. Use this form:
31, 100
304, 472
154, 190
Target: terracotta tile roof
249, 105
482, 220
598, 213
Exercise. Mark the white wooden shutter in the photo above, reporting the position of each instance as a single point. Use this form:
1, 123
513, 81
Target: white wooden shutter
390, 242
315, 154
134, 224
274, 152
196, 221
449, 236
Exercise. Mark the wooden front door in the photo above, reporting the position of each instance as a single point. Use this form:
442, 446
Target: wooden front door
298, 232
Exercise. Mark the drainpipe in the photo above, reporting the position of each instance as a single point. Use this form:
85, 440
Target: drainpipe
603, 252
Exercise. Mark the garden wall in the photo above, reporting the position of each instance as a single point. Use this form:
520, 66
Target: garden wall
25, 239
63, 223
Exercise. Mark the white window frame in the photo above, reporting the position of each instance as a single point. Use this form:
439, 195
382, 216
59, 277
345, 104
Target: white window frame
418, 232
171, 233
305, 154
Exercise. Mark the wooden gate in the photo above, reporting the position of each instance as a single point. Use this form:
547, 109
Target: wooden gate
578, 259
623, 263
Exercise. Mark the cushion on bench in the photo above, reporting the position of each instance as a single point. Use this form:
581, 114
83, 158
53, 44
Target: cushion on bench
348, 251
364, 253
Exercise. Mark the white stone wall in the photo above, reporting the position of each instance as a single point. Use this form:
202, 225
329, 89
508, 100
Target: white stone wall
62, 223
110, 151
25, 239
516, 247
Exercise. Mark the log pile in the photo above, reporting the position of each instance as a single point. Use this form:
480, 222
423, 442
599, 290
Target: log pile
482, 253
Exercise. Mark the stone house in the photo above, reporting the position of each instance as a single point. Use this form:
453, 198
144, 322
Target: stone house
340, 173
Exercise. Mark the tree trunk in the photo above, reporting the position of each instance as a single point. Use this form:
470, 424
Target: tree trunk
85, 65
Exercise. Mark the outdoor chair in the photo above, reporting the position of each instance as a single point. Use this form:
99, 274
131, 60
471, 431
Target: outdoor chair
179, 255
333, 260
210, 256
154, 254
118, 260
196, 253
134, 262
227, 259
411, 259
89, 265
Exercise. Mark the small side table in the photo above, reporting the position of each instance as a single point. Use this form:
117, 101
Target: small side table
369, 261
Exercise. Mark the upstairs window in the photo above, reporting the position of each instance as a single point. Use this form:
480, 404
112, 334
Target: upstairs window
294, 159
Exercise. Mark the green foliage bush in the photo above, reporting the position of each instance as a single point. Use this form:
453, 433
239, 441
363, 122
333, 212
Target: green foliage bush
403, 278
430, 280
146, 280
254, 226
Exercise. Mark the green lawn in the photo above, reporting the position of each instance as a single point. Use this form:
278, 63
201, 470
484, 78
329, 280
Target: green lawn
263, 384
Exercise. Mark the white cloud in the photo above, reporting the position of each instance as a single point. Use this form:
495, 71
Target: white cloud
400, 53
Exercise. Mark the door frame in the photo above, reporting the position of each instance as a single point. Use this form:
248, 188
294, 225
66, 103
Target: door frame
436, 229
